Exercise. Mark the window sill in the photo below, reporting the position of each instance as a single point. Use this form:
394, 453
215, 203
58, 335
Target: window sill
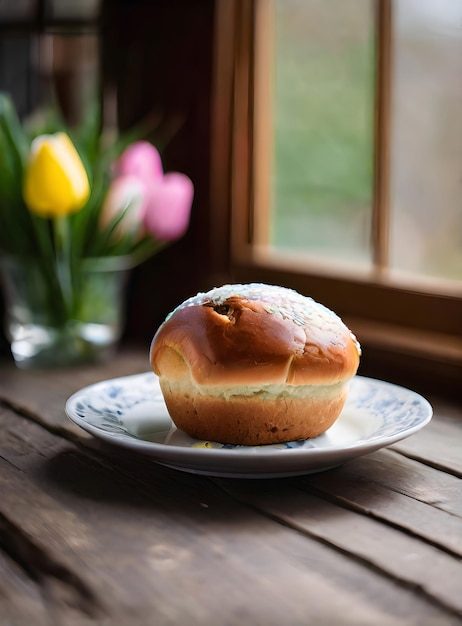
424, 361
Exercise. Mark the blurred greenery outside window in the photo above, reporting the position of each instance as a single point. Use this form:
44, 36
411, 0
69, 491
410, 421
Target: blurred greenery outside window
323, 124
320, 69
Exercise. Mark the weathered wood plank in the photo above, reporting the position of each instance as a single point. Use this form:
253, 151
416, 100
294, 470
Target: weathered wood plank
439, 444
55, 594
411, 478
146, 540
403, 557
415, 517
41, 394
382, 485
20, 599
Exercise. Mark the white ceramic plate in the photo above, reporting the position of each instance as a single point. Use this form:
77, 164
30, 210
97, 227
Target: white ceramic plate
130, 412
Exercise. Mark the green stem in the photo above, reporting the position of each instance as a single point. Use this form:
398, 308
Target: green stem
46, 256
63, 261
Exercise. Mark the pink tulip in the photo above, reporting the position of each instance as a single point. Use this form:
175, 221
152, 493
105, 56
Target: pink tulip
140, 159
125, 193
168, 206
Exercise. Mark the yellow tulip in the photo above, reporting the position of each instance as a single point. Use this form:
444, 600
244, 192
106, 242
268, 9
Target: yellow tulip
56, 182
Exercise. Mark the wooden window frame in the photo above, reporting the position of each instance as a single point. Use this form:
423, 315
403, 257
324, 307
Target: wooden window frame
421, 327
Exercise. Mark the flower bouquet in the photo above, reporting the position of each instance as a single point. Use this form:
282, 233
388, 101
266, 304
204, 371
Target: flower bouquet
76, 213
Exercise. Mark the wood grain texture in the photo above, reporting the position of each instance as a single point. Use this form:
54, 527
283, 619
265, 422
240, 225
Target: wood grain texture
41, 394
92, 534
117, 540
417, 515
398, 555
439, 445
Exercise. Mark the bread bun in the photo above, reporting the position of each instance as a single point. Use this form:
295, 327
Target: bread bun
254, 364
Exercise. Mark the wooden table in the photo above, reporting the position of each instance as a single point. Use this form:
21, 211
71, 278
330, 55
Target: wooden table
91, 534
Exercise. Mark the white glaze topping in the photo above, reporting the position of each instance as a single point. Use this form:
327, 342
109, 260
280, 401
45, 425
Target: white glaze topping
286, 302
282, 301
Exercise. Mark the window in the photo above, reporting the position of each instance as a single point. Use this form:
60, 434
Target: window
345, 161
426, 140
50, 49
315, 95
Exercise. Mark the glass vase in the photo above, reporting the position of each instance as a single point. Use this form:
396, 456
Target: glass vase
59, 316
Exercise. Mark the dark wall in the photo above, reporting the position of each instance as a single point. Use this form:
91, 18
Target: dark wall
17, 77
159, 55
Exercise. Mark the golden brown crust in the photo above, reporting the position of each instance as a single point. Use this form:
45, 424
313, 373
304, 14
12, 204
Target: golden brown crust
219, 348
238, 341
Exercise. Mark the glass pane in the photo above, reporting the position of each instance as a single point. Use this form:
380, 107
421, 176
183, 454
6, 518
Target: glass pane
17, 76
73, 9
426, 163
70, 64
37, 69
12, 10
323, 115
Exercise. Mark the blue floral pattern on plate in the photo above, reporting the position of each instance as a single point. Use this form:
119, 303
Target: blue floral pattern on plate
130, 411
